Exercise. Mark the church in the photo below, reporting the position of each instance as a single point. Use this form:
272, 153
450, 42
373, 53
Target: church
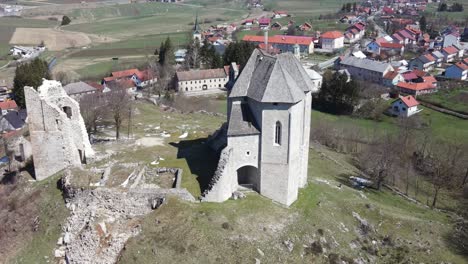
266, 137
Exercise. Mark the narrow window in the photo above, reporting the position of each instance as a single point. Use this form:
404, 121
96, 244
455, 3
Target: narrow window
278, 133
67, 111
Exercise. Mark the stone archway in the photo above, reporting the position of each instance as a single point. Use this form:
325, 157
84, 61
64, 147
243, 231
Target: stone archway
248, 177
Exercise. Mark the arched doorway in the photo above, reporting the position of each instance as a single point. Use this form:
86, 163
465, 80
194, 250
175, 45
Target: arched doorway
248, 177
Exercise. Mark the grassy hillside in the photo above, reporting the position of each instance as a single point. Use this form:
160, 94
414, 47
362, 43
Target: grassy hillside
322, 225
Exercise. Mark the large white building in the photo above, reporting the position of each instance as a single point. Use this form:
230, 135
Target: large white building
196, 81
267, 135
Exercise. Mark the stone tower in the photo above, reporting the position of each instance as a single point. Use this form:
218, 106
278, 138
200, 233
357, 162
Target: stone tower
269, 109
58, 134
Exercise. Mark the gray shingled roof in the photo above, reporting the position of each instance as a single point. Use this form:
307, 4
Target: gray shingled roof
78, 87
15, 118
272, 79
241, 121
438, 54
367, 64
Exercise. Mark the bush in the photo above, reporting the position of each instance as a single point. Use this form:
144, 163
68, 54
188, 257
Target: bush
65, 20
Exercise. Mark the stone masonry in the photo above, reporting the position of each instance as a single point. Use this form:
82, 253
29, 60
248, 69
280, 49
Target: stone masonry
267, 150
58, 134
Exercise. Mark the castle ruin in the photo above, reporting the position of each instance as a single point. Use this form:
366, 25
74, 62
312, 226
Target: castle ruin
58, 134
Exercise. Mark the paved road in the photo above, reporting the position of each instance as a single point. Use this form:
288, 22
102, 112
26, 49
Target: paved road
379, 28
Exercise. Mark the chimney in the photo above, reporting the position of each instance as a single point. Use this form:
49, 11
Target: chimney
266, 40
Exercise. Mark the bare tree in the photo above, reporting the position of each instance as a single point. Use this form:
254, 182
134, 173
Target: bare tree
62, 77
444, 164
379, 158
92, 108
119, 103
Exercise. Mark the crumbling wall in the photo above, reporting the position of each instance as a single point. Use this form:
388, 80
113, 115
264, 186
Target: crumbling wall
58, 134
224, 181
21, 153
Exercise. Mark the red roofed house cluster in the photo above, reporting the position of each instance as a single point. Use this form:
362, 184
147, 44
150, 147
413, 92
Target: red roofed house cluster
354, 32
131, 79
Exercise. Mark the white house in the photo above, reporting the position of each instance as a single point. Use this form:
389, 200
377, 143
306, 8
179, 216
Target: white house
450, 53
316, 79
332, 40
405, 106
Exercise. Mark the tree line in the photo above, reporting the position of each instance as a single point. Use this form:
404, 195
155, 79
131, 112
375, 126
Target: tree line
455, 7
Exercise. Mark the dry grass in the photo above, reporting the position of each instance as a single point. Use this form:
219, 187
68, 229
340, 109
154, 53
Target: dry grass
54, 39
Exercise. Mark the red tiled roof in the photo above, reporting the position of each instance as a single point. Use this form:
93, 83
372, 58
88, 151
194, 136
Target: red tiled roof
409, 76
416, 86
450, 50
125, 73
462, 65
409, 101
281, 39
429, 79
397, 37
264, 21
332, 35
419, 73
429, 57
11, 104
391, 45
380, 40
98, 86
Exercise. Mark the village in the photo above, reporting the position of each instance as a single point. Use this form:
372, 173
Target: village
268, 109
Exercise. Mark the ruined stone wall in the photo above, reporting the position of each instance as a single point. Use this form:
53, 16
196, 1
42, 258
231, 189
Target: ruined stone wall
224, 183
58, 135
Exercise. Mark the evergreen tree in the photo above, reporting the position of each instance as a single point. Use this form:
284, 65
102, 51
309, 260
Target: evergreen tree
348, 7
65, 20
422, 23
354, 7
166, 53
343, 8
162, 52
442, 7
29, 74
238, 52
337, 95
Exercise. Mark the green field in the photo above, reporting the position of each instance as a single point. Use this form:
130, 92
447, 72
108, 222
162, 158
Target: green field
431, 11
125, 21
306, 8
454, 99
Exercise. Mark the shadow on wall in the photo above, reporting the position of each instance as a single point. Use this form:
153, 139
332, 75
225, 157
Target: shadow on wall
201, 159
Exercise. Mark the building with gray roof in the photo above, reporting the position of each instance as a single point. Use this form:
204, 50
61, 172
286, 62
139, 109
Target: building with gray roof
365, 69
77, 89
267, 134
